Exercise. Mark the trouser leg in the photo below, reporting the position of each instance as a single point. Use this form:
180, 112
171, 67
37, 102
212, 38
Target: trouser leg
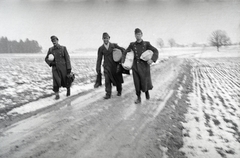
147, 95
137, 83
119, 87
56, 90
68, 91
108, 85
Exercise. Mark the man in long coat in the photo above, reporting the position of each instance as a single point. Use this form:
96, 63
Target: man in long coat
141, 69
110, 66
61, 66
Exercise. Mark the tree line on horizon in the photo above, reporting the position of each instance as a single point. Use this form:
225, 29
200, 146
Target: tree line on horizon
27, 46
218, 38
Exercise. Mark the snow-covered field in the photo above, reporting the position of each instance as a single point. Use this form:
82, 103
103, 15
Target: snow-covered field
200, 52
27, 78
212, 127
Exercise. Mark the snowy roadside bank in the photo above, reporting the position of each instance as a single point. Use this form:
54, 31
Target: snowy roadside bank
28, 79
42, 104
45, 102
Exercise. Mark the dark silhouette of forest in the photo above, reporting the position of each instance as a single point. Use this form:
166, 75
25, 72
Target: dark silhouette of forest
27, 46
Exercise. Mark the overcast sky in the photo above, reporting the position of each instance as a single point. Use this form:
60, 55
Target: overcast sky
80, 23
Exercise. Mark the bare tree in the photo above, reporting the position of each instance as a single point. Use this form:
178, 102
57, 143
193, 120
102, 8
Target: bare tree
160, 42
172, 42
219, 38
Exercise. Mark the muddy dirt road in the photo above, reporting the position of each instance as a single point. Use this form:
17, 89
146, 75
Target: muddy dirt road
88, 126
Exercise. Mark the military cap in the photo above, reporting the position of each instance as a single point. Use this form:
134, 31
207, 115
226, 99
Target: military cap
105, 34
54, 37
137, 30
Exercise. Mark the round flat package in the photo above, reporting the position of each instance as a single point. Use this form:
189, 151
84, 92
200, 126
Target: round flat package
117, 55
50, 57
147, 55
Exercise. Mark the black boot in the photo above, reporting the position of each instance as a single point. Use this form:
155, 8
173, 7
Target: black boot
57, 96
138, 101
147, 95
119, 93
68, 92
107, 96
119, 89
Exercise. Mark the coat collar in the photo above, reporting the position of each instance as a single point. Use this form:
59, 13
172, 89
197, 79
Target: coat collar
106, 45
111, 46
139, 42
57, 46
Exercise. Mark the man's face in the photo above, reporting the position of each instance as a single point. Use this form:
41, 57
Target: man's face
138, 36
55, 42
106, 40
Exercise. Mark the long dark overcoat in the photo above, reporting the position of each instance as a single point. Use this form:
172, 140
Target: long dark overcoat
140, 68
62, 64
109, 65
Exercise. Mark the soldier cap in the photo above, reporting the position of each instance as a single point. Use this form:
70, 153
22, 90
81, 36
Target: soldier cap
137, 30
105, 34
53, 37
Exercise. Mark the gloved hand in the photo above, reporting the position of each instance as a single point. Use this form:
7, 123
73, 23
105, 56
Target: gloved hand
150, 61
68, 71
52, 64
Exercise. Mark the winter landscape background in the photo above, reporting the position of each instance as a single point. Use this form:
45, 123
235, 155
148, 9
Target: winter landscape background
194, 110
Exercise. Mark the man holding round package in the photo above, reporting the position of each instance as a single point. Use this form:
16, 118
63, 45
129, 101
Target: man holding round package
58, 58
141, 64
110, 65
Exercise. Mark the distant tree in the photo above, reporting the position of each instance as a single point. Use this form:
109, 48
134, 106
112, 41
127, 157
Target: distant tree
235, 44
160, 42
180, 45
28, 46
194, 44
219, 38
4, 45
172, 42
197, 45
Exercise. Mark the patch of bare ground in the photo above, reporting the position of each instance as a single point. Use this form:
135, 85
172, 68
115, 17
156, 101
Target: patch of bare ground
168, 126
